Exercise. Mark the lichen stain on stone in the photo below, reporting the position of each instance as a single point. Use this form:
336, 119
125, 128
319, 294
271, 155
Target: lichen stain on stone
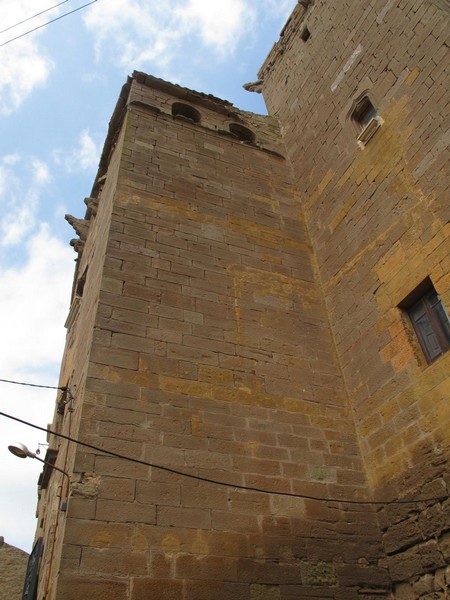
386, 153
140, 543
103, 539
199, 544
319, 575
275, 289
259, 591
170, 544
383, 155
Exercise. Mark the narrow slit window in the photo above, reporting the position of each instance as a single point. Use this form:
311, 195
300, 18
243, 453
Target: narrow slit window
80, 284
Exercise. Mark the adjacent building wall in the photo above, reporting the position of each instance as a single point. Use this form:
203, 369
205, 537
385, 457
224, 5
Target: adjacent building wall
13, 565
378, 221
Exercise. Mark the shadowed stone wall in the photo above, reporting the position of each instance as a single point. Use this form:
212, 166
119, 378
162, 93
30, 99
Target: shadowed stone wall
378, 220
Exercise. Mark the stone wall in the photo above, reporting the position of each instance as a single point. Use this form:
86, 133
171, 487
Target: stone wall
211, 355
90, 246
378, 221
13, 565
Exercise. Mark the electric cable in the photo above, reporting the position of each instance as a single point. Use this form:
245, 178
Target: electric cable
33, 16
48, 387
215, 481
48, 22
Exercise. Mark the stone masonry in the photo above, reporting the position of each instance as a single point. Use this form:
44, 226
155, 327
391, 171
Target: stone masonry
13, 565
238, 316
378, 221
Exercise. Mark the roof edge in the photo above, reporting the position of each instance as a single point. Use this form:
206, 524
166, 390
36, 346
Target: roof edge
289, 30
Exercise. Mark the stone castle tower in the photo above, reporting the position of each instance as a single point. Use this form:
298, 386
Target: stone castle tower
259, 303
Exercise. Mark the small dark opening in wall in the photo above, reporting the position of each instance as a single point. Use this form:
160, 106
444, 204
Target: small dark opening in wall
363, 113
80, 284
305, 34
187, 111
242, 133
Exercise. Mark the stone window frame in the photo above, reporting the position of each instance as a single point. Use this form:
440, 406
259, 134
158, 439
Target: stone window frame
429, 320
365, 118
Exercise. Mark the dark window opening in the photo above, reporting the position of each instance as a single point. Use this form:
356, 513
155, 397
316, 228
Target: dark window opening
242, 133
185, 110
50, 459
80, 284
429, 319
32, 574
363, 113
305, 34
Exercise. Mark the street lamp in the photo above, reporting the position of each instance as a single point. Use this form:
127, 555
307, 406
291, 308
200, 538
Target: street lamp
21, 451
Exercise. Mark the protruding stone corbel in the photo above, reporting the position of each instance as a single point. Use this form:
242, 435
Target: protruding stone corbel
92, 207
81, 226
254, 86
77, 245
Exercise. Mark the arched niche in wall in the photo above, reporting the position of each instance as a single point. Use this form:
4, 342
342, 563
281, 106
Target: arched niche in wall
179, 109
243, 134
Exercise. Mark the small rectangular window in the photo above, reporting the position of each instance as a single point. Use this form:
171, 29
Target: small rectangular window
366, 120
363, 113
429, 319
305, 34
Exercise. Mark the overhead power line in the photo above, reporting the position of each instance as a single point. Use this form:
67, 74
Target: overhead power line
48, 23
33, 16
216, 481
48, 387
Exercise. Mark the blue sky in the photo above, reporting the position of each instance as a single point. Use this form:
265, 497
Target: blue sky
58, 88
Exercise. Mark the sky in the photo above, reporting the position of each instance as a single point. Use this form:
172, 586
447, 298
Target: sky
58, 88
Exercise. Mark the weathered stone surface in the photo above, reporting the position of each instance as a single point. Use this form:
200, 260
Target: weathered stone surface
264, 592
243, 321
13, 565
94, 588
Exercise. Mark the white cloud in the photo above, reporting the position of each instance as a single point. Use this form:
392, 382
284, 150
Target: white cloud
41, 174
21, 184
131, 32
11, 159
33, 303
33, 306
220, 25
279, 8
135, 33
5, 173
87, 154
84, 157
24, 65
